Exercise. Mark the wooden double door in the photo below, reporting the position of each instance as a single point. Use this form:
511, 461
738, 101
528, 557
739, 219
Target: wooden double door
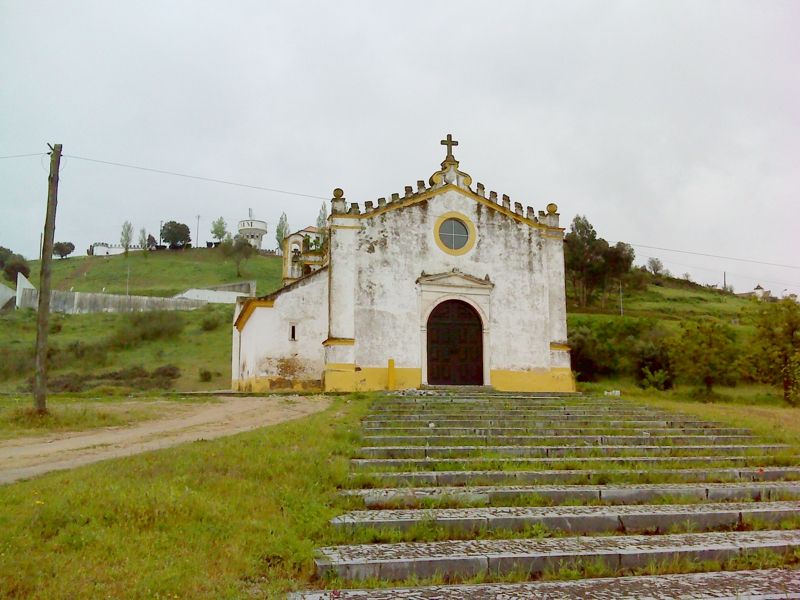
455, 345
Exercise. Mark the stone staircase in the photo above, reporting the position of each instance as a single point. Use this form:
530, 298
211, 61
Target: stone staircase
501, 489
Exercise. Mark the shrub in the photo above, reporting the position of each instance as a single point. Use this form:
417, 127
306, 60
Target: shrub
209, 323
147, 326
652, 364
620, 346
205, 375
167, 372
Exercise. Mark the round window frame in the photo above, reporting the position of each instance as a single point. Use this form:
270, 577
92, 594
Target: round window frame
471, 236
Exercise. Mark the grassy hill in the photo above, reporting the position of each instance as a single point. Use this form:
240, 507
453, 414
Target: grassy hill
163, 273
84, 343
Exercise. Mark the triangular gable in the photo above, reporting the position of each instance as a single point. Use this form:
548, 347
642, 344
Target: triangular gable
455, 278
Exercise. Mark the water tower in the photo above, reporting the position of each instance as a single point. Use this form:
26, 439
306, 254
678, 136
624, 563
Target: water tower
253, 230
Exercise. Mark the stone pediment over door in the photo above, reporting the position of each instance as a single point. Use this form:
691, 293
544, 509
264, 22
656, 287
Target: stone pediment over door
455, 279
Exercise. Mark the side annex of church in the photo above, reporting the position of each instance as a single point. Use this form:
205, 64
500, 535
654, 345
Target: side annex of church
444, 285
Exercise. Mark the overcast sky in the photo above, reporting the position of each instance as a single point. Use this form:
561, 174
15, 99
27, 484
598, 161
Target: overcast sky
669, 124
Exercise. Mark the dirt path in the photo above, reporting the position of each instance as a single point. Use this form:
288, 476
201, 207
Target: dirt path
23, 458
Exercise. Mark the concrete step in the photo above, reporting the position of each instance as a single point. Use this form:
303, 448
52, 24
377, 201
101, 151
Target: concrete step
608, 420
563, 421
674, 450
532, 440
653, 518
559, 494
474, 462
577, 476
471, 558
424, 430
519, 412
768, 584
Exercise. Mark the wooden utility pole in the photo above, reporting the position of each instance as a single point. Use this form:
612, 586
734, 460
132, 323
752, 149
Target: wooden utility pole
43, 316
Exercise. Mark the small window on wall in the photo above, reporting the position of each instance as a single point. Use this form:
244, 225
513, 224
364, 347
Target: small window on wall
293, 332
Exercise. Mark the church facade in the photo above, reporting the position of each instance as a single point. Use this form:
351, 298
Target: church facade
445, 284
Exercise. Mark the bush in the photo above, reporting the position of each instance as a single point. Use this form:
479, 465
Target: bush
147, 326
209, 323
205, 375
652, 365
619, 347
167, 371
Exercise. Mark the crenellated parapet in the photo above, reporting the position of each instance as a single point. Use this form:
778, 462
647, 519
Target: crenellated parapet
449, 174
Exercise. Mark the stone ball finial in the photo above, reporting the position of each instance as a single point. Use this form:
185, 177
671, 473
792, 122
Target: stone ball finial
338, 193
552, 208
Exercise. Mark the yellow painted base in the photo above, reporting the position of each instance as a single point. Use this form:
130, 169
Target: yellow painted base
276, 384
542, 380
345, 377
349, 378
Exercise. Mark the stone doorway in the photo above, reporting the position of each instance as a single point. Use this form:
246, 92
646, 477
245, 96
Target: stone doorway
455, 345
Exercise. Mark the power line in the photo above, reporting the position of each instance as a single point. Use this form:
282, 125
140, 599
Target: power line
22, 155
746, 260
710, 270
287, 192
197, 177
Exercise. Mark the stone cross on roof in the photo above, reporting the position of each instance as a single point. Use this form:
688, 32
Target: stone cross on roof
449, 142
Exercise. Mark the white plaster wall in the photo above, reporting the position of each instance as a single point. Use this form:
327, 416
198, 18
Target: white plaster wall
22, 284
557, 294
395, 247
113, 250
263, 347
6, 294
212, 296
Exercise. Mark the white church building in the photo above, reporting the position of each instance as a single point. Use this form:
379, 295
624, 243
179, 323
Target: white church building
445, 284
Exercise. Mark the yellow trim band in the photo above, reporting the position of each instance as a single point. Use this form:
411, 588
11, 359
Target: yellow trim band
562, 347
248, 309
333, 341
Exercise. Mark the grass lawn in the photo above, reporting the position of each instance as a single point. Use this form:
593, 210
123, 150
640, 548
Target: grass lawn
220, 519
196, 347
757, 407
236, 517
671, 305
163, 273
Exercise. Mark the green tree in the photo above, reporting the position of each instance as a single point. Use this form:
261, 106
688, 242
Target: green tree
655, 265
322, 225
143, 241
5, 254
13, 265
238, 249
218, 229
175, 234
281, 230
584, 261
63, 249
776, 347
126, 237
705, 352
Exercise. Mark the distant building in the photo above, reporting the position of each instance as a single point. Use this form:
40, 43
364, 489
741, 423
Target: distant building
253, 230
758, 292
104, 249
302, 254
